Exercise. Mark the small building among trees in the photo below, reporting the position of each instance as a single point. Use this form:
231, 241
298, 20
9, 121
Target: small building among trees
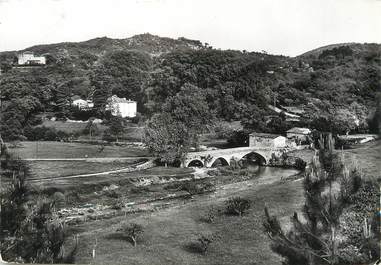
266, 140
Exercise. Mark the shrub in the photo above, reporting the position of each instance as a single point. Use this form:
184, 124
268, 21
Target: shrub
237, 206
42, 133
118, 205
112, 193
137, 119
198, 188
209, 216
140, 189
204, 242
132, 231
238, 138
300, 164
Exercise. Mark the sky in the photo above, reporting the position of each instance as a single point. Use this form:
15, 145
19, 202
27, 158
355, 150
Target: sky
288, 27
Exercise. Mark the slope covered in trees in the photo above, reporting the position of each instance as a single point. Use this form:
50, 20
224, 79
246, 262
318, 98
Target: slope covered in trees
338, 83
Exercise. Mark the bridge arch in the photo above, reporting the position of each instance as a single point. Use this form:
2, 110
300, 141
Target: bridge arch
195, 163
254, 157
221, 160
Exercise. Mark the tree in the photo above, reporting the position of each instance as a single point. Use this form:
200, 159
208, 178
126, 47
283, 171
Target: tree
123, 73
253, 119
29, 229
170, 134
166, 138
91, 128
375, 121
116, 127
132, 231
189, 107
316, 240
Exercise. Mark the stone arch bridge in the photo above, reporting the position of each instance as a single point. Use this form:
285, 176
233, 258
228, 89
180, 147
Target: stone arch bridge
207, 158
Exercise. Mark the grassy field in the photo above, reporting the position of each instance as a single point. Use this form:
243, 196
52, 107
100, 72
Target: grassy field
367, 157
53, 169
170, 233
131, 133
73, 150
69, 127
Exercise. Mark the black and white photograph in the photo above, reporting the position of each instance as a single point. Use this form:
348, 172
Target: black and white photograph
190, 132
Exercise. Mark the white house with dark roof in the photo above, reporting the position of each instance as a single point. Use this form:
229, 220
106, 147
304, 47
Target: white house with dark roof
121, 107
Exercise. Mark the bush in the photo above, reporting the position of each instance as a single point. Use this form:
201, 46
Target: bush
238, 138
112, 193
198, 188
210, 215
118, 205
300, 164
237, 206
202, 243
137, 119
42, 133
132, 231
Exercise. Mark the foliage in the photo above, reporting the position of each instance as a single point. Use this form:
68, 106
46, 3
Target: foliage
42, 133
238, 138
237, 206
91, 128
189, 107
338, 52
116, 128
132, 231
123, 73
166, 138
375, 121
198, 188
236, 85
316, 240
203, 243
171, 133
209, 215
29, 230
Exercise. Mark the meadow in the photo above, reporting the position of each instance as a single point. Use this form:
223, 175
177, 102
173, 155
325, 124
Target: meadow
49, 149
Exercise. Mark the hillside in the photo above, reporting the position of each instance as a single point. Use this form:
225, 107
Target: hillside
332, 86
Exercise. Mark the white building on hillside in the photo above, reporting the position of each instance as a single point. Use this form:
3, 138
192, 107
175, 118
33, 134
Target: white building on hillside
121, 107
28, 58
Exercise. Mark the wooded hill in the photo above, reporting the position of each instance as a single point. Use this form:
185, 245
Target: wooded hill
334, 85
